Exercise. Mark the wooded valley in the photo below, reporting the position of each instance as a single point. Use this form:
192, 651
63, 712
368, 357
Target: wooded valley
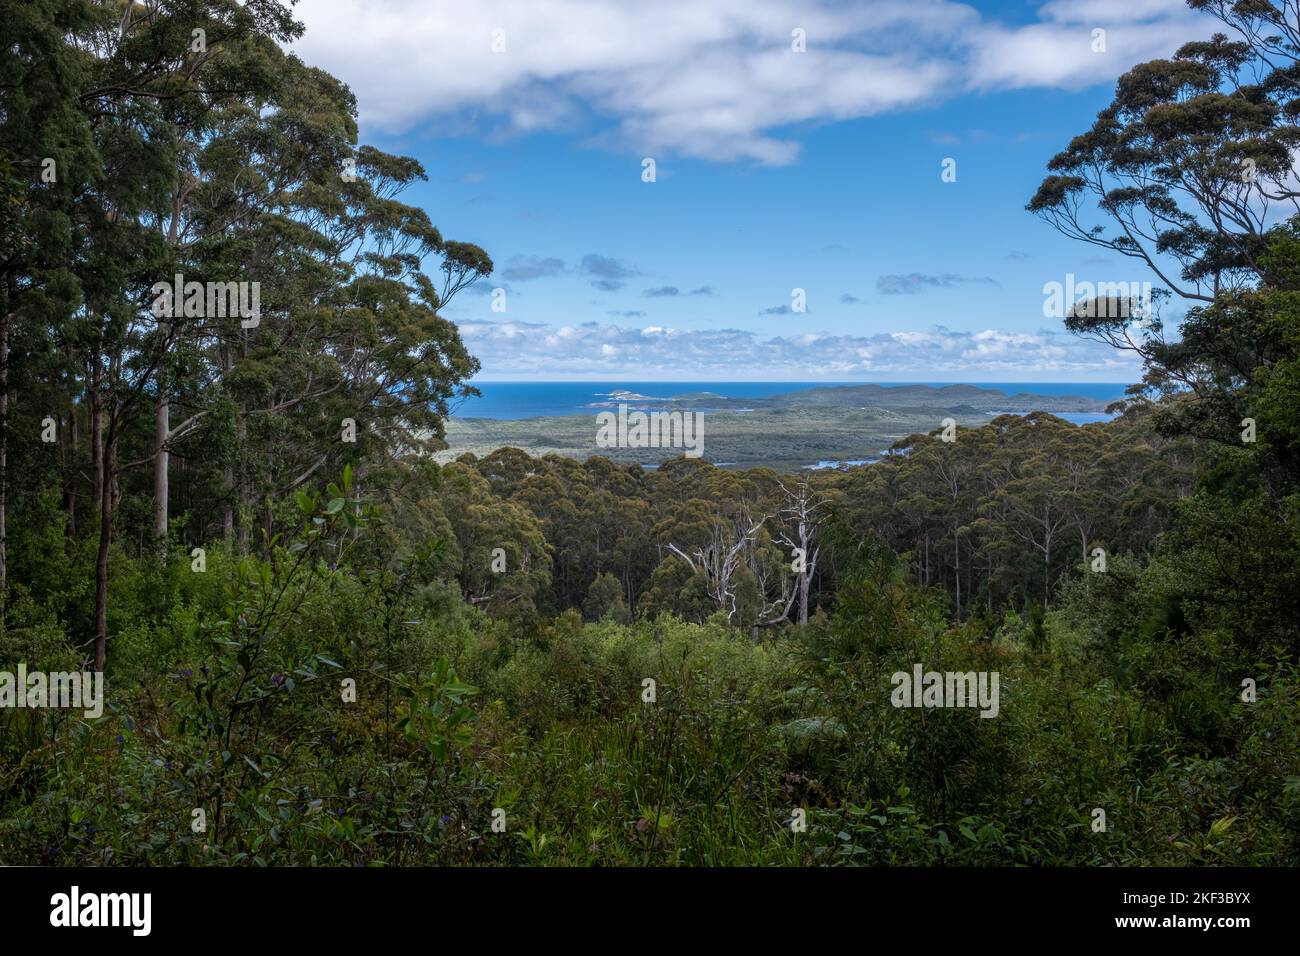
321, 646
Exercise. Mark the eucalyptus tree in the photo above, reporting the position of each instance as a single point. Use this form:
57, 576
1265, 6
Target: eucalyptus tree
1188, 172
1191, 163
183, 140
47, 157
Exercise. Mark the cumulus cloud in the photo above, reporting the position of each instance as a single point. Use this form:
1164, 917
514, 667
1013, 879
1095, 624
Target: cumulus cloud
713, 79
671, 292
1062, 50
528, 349
607, 274
915, 283
485, 288
524, 268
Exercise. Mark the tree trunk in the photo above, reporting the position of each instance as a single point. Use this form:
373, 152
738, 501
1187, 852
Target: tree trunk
162, 431
227, 470
4, 457
241, 433
96, 436
105, 538
70, 484
805, 580
956, 566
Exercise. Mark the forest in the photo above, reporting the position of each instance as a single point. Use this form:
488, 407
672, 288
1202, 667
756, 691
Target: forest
322, 646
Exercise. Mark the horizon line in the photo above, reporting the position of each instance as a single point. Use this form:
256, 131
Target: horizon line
780, 381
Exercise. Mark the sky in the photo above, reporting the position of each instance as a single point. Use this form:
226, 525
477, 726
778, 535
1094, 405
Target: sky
774, 171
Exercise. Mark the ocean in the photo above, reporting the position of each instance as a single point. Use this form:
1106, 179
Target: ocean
514, 400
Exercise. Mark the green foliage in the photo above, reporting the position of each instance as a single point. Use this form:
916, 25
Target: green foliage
459, 721
518, 660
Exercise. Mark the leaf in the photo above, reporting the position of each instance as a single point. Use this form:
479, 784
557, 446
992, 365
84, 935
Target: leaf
1220, 827
805, 729
347, 478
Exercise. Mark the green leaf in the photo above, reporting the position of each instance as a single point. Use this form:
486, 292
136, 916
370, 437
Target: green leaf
1219, 827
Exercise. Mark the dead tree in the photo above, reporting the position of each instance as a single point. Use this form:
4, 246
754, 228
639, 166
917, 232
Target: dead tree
804, 513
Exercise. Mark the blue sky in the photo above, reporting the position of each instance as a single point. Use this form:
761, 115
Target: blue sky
775, 171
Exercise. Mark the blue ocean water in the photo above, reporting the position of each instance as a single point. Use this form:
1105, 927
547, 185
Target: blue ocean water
537, 399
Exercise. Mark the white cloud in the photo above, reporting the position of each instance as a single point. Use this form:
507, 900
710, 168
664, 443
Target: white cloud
532, 349
1106, 12
707, 78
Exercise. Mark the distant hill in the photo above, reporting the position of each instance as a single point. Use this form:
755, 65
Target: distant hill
786, 432
946, 396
